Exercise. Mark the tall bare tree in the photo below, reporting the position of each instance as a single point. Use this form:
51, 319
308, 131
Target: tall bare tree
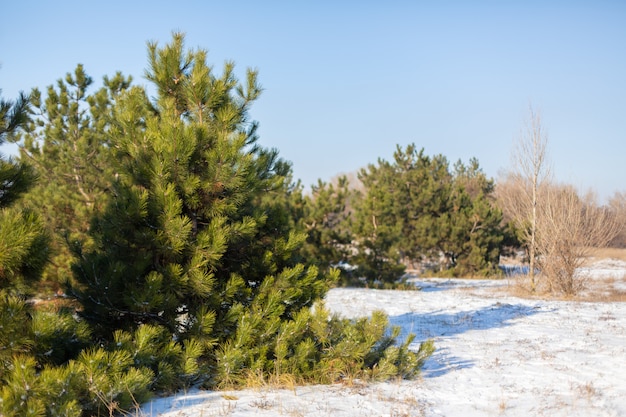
529, 172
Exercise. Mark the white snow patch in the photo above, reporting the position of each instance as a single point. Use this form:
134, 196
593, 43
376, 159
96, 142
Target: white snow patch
496, 356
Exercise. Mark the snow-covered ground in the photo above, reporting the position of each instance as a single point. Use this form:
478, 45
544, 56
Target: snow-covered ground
497, 355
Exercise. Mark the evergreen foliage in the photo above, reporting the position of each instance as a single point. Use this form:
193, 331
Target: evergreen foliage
317, 347
67, 142
15, 178
23, 244
198, 238
23, 249
98, 382
190, 262
473, 242
16, 337
191, 225
57, 335
326, 219
416, 210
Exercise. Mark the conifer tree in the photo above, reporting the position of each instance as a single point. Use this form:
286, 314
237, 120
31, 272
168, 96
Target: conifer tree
190, 271
35, 344
67, 142
15, 178
198, 240
377, 229
325, 218
416, 210
472, 243
23, 244
195, 224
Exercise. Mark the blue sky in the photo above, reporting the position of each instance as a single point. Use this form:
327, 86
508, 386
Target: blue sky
345, 81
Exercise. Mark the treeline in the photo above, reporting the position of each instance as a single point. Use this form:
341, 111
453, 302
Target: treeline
420, 213
414, 212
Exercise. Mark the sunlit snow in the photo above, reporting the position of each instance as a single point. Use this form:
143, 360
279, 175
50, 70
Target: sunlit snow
497, 355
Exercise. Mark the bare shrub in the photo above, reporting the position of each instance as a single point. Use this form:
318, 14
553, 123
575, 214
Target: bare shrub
568, 228
557, 227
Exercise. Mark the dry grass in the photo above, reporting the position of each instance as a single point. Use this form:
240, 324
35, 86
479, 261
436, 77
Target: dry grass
502, 406
603, 290
587, 391
597, 290
521, 287
608, 253
257, 380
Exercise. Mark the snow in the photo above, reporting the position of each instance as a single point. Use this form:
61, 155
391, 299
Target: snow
496, 355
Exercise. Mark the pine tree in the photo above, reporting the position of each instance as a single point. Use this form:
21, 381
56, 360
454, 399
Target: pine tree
23, 244
197, 245
15, 178
377, 229
326, 219
36, 344
422, 201
67, 142
475, 233
415, 210
196, 223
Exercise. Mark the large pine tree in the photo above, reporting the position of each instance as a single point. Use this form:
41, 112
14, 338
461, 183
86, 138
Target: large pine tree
196, 232
198, 241
190, 270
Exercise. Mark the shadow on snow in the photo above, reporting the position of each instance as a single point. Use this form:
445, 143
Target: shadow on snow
443, 362
444, 284
443, 324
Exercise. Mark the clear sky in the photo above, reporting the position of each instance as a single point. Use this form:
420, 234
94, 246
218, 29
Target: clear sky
345, 81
